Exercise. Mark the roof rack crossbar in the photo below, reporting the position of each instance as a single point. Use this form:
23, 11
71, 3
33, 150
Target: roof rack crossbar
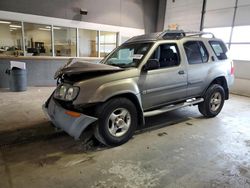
178, 34
172, 34
200, 33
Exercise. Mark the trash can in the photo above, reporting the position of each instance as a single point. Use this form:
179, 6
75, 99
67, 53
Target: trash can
17, 77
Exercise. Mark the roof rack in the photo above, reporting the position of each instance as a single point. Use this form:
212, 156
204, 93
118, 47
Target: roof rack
199, 33
178, 34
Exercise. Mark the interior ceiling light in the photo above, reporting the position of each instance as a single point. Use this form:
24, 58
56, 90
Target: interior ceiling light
48, 27
4, 22
16, 26
13, 28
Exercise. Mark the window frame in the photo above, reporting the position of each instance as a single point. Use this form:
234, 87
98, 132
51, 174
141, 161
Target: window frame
105, 59
200, 44
223, 47
177, 51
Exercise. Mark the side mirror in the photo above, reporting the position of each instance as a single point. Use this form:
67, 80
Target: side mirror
151, 65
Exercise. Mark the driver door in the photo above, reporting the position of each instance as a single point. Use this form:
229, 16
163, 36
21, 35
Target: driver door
168, 83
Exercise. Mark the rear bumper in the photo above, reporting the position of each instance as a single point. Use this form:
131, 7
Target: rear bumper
74, 126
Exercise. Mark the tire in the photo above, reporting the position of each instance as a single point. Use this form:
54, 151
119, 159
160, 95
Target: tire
213, 101
117, 121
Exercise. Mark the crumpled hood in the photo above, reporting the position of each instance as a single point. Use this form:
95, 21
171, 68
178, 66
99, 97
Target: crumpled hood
81, 67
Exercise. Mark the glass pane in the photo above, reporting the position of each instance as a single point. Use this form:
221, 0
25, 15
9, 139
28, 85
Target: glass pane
203, 51
10, 38
128, 55
219, 49
168, 55
241, 34
222, 33
107, 42
65, 41
37, 39
193, 52
240, 51
88, 43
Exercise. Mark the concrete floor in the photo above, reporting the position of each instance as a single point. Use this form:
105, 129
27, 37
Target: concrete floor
177, 149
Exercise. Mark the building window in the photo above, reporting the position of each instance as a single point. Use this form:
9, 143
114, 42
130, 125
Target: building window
64, 41
241, 34
37, 39
240, 45
88, 45
107, 42
240, 52
10, 38
222, 33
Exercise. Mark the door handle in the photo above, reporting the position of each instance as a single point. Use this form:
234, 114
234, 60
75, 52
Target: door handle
181, 72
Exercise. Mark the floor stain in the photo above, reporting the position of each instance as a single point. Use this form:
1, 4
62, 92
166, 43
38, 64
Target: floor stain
162, 134
131, 175
247, 142
47, 161
79, 161
243, 171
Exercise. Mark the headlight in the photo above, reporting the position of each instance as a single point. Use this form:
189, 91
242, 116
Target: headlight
66, 92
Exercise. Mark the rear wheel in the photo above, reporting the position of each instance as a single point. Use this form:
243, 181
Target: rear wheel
117, 121
213, 101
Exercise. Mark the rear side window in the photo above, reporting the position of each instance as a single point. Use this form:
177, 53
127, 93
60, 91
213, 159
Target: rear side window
196, 52
219, 49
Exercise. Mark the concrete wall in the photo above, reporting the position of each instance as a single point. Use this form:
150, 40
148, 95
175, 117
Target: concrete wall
140, 14
40, 72
242, 78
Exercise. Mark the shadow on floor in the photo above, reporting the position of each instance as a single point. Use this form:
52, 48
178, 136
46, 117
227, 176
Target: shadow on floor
38, 132
41, 140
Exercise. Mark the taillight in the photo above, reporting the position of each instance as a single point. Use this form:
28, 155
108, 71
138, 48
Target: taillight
232, 68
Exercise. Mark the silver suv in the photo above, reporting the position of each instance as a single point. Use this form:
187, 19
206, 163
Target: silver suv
145, 76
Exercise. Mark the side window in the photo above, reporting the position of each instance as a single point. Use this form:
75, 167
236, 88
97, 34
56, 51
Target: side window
219, 49
196, 52
167, 55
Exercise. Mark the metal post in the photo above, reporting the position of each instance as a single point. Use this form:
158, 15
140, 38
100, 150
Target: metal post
99, 43
118, 39
23, 39
52, 41
203, 14
77, 42
233, 22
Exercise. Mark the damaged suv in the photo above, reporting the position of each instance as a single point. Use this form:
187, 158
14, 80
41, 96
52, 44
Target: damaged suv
145, 76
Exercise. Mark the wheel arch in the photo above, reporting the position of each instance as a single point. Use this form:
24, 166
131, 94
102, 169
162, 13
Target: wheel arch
132, 97
221, 80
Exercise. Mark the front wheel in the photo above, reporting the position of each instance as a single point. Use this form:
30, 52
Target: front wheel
213, 101
117, 121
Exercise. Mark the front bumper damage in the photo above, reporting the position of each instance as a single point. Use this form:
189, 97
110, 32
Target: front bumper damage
74, 126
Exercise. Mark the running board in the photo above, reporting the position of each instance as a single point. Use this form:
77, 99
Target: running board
188, 102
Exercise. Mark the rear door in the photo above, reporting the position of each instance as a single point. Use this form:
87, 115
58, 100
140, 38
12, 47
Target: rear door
198, 68
167, 83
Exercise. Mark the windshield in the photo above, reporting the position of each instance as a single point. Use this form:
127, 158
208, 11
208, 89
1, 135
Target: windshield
128, 55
